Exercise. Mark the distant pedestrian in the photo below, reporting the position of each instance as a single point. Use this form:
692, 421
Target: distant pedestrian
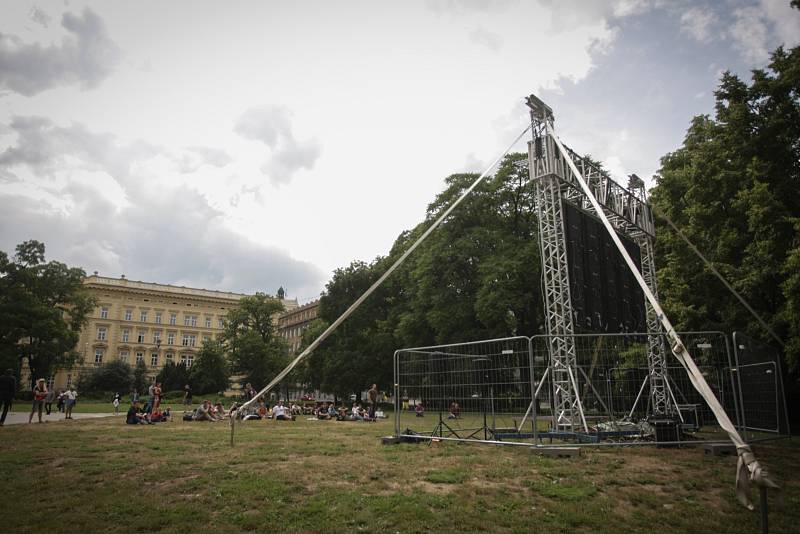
134, 396
48, 400
115, 402
60, 401
8, 387
373, 401
70, 397
156, 396
187, 396
39, 394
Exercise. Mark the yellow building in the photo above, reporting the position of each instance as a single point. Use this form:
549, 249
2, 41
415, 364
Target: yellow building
293, 322
148, 322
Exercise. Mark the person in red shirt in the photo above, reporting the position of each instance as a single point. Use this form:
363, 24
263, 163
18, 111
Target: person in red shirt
39, 394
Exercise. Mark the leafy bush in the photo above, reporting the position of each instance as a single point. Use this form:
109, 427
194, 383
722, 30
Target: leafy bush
111, 376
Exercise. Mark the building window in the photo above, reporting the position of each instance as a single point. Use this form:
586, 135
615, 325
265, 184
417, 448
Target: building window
187, 359
157, 337
51, 381
206, 339
189, 320
125, 335
173, 318
104, 313
140, 337
101, 333
189, 340
169, 357
128, 315
123, 356
170, 338
98, 356
221, 322
143, 317
158, 317
139, 357
208, 322
154, 359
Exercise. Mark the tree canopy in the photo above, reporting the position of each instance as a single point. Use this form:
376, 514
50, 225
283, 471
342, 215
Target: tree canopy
732, 188
251, 339
43, 306
477, 276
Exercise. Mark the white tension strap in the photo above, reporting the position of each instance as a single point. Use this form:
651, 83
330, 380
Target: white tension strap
748, 469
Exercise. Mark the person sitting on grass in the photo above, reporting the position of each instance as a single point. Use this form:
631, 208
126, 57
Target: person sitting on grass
279, 413
455, 411
263, 411
322, 412
204, 412
133, 417
356, 413
333, 413
296, 410
420, 410
219, 410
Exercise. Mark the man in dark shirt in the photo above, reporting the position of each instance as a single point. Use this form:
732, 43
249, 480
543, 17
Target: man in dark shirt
8, 387
133, 417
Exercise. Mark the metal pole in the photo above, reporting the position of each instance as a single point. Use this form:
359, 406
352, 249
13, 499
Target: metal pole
630, 415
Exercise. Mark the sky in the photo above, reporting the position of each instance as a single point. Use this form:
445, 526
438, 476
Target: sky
243, 146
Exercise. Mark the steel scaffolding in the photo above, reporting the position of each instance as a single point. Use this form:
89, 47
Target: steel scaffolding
629, 214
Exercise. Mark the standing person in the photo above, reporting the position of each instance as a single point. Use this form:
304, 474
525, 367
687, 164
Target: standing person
156, 396
115, 402
48, 400
150, 398
39, 394
187, 396
8, 386
69, 401
134, 396
60, 401
373, 400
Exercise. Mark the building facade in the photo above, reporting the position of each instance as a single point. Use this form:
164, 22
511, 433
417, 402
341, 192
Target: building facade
293, 322
150, 323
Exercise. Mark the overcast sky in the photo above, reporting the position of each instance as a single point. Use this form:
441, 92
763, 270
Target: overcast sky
247, 145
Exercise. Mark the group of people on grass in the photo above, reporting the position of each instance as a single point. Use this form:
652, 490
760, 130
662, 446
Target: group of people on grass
150, 412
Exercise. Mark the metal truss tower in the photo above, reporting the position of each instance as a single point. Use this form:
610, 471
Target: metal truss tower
630, 215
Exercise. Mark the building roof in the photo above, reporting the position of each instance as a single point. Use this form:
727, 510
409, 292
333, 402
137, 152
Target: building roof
123, 284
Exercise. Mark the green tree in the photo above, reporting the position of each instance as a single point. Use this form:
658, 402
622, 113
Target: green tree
732, 189
173, 377
115, 376
140, 380
209, 373
477, 276
251, 339
43, 306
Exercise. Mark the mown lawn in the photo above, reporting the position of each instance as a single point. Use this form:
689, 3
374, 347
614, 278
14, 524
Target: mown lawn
326, 476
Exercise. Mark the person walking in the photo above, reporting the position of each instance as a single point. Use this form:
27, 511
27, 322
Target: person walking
373, 401
8, 387
39, 395
70, 397
187, 396
48, 400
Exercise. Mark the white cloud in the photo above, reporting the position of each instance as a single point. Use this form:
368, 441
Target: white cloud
86, 56
272, 126
39, 16
749, 34
490, 40
698, 23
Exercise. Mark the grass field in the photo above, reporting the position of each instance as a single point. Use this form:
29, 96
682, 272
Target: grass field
327, 476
